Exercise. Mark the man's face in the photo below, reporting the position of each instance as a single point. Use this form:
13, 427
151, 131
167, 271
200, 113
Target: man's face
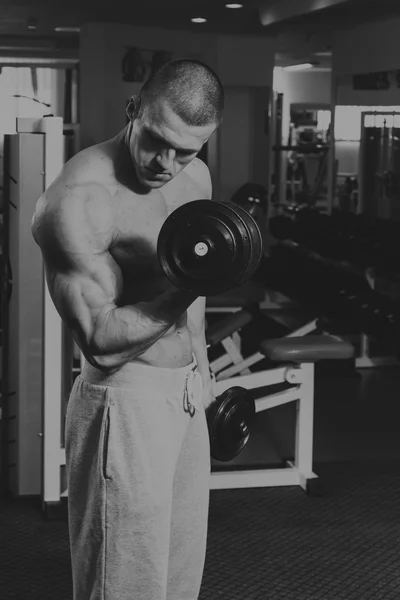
161, 144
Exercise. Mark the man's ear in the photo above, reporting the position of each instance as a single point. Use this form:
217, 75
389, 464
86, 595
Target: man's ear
133, 107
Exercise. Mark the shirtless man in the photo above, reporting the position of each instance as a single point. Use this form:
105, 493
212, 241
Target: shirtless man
137, 444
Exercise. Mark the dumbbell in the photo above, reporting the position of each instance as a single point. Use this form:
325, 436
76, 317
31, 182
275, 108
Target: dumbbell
230, 422
207, 247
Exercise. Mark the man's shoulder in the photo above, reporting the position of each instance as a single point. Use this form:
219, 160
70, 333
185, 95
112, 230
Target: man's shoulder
198, 171
78, 197
92, 164
84, 176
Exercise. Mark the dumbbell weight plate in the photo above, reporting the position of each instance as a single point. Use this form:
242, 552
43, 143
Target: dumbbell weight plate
230, 421
207, 247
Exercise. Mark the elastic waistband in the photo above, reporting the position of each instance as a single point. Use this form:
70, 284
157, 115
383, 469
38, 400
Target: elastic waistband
136, 375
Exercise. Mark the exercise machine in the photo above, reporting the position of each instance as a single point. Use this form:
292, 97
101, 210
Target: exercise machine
291, 366
37, 350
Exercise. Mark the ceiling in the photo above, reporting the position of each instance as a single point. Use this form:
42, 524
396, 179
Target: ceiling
297, 28
336, 14
14, 14
305, 36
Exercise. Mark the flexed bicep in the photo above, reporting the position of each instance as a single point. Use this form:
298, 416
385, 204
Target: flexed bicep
83, 279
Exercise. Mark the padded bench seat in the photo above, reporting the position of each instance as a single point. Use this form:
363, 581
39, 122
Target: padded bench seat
306, 349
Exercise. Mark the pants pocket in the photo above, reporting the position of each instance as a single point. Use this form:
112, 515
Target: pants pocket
105, 441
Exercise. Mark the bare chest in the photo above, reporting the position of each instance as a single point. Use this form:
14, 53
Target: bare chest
138, 223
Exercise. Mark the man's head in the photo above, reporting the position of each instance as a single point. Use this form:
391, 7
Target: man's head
179, 108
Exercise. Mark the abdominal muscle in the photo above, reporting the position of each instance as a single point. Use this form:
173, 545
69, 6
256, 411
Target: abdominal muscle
174, 348
172, 351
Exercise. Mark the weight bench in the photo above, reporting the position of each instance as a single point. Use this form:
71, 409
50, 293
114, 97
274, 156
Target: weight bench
294, 357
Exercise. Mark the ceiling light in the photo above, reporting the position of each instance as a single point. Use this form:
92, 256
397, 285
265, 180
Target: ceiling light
198, 20
234, 5
299, 67
67, 29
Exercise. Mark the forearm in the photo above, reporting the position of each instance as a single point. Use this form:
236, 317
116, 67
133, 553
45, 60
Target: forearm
127, 332
199, 346
196, 327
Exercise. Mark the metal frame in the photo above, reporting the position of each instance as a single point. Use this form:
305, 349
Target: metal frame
22, 385
298, 472
53, 453
361, 160
40, 143
365, 360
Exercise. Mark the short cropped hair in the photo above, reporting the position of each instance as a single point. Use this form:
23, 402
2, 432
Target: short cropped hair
191, 88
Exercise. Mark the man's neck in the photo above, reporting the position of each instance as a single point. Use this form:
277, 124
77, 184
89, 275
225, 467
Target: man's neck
124, 166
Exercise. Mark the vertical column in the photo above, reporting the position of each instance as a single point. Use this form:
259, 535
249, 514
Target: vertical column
305, 423
53, 454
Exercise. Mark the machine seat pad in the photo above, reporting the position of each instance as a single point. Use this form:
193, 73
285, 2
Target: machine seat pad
227, 326
306, 349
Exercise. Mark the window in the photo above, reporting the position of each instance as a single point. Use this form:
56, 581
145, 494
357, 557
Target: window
348, 120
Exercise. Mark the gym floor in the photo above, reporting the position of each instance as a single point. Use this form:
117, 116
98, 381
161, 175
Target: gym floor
274, 543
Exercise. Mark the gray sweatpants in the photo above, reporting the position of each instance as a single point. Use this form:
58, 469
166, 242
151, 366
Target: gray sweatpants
138, 469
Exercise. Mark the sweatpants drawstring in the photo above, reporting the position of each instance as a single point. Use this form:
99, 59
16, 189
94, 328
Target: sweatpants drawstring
192, 392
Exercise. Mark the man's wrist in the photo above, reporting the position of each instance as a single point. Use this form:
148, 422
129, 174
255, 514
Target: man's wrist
209, 382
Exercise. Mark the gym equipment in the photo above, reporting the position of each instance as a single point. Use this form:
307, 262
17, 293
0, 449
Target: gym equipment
335, 290
292, 368
380, 165
230, 420
31, 453
277, 118
253, 197
206, 247
361, 240
298, 187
